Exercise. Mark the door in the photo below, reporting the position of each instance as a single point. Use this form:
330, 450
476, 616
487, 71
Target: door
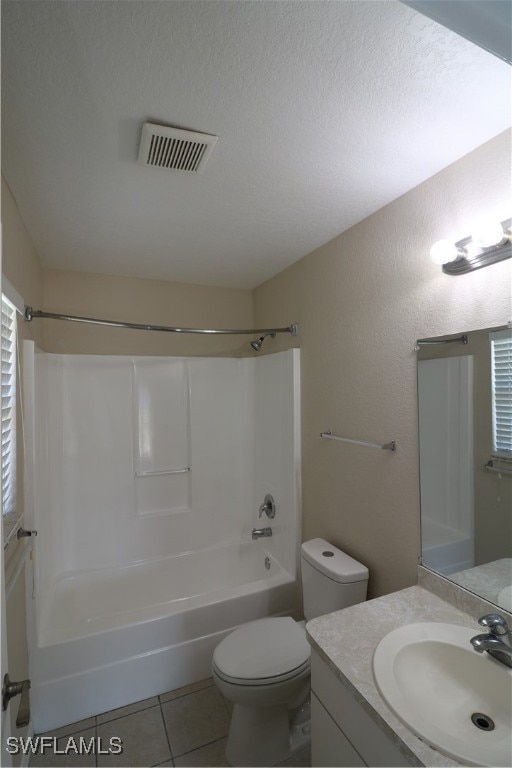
5, 758
13, 640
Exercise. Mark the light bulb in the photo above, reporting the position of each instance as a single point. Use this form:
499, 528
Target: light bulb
487, 233
444, 251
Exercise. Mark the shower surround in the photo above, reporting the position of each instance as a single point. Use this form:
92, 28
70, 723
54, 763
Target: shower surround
144, 480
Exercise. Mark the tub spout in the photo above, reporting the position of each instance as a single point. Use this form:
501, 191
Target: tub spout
259, 533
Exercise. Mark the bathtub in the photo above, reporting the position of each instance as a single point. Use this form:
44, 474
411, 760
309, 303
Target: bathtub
445, 550
109, 637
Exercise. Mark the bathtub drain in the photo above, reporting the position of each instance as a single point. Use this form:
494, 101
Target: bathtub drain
483, 722
267, 563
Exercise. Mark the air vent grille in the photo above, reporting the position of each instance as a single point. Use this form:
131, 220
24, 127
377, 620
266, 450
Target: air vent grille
174, 148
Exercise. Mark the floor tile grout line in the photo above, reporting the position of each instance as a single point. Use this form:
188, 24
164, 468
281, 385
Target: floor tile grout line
296, 754
204, 744
183, 695
166, 732
225, 702
207, 744
143, 709
127, 714
66, 735
75, 733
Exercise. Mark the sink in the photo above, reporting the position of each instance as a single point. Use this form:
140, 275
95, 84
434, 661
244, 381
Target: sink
455, 699
505, 598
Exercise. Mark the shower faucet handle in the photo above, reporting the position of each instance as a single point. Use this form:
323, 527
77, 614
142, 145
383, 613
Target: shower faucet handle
268, 507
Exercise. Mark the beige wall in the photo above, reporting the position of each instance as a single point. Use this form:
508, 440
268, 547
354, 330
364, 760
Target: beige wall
118, 298
361, 301
20, 262
142, 301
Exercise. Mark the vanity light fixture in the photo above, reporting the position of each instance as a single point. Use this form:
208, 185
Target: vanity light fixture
490, 242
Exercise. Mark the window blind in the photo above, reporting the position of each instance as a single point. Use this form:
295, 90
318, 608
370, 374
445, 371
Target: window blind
8, 407
501, 361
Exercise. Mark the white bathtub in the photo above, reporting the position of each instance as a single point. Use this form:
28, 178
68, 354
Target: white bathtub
445, 550
109, 637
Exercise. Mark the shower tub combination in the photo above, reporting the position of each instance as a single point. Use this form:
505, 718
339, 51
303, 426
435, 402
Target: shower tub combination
114, 636
139, 571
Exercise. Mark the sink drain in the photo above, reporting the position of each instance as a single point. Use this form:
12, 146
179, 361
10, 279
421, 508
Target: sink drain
484, 722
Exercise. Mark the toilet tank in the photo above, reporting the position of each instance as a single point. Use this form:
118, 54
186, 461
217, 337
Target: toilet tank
331, 579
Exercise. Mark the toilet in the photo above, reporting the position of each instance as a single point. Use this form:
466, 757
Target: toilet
263, 667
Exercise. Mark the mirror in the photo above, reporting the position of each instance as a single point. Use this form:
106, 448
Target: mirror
465, 441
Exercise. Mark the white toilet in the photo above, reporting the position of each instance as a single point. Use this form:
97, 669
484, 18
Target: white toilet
263, 667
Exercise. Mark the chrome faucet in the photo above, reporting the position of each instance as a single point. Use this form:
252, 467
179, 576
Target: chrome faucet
497, 642
260, 533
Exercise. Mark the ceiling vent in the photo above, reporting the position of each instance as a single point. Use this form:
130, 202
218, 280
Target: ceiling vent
174, 148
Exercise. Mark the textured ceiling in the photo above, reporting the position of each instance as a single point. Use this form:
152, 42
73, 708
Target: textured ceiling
325, 112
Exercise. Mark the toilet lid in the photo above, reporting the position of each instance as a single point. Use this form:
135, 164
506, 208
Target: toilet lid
267, 648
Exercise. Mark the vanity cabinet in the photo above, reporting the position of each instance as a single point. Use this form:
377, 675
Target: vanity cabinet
342, 732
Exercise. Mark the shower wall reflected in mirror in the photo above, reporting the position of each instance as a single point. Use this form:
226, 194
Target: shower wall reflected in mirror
465, 407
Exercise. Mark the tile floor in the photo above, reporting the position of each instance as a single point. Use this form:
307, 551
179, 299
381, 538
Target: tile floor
185, 727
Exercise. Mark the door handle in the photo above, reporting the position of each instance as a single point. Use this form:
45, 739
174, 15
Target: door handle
9, 690
22, 533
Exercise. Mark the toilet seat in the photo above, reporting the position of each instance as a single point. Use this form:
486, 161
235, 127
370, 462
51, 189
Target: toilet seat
262, 681
264, 652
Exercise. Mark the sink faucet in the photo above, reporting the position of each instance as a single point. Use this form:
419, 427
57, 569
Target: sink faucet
497, 642
259, 533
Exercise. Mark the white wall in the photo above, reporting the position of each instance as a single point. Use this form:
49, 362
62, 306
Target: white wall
277, 467
445, 401
102, 423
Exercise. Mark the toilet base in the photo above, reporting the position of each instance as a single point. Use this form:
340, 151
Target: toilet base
264, 736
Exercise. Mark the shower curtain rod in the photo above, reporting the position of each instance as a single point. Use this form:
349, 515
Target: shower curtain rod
30, 314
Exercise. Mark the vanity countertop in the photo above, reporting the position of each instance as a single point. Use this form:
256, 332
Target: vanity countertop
487, 580
346, 640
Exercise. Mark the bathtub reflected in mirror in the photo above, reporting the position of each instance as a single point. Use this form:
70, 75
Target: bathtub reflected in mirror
464, 407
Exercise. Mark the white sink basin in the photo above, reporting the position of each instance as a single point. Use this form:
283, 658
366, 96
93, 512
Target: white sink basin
505, 598
434, 681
